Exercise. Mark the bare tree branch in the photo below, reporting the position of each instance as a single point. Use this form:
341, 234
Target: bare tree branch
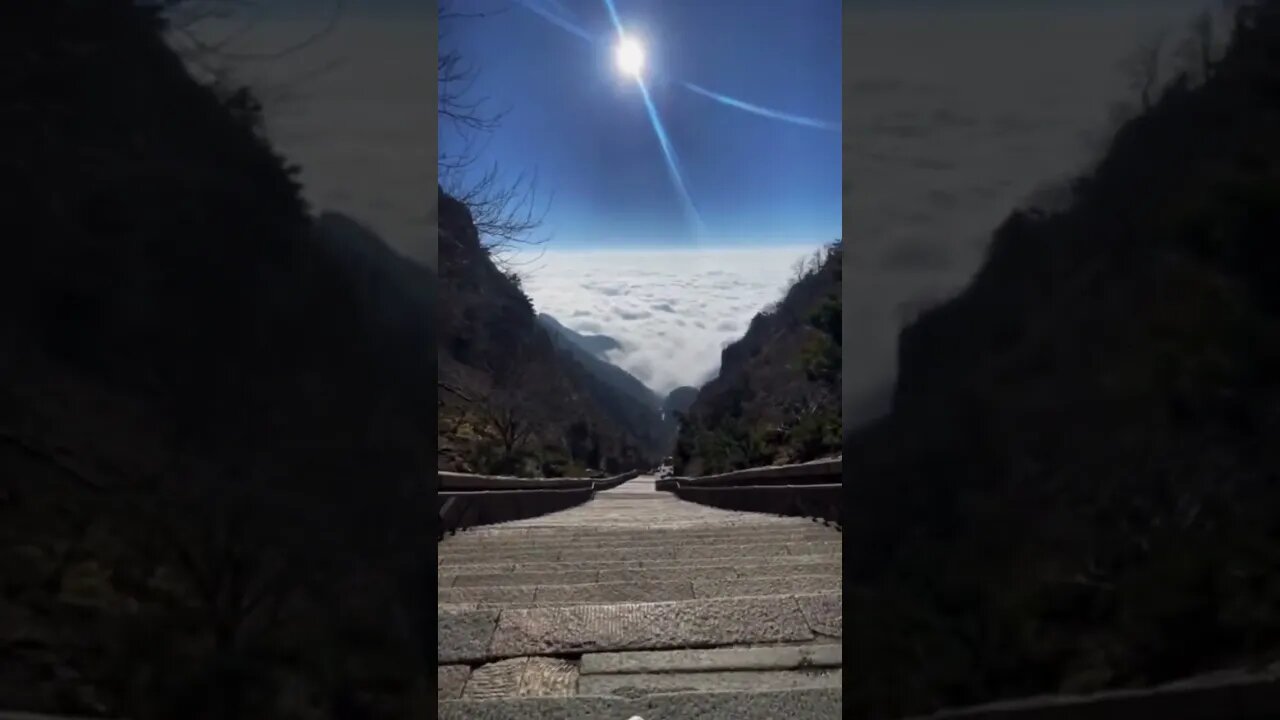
505, 213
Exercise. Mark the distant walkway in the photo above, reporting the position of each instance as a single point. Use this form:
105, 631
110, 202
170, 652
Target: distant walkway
639, 604
637, 504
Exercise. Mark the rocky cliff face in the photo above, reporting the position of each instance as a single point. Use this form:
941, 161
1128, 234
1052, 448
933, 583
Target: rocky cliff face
1074, 488
776, 398
524, 406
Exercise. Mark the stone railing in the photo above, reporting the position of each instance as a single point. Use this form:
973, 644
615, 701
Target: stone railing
812, 490
465, 501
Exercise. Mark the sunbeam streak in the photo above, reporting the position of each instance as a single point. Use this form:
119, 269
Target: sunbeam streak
613, 14
673, 165
546, 14
766, 112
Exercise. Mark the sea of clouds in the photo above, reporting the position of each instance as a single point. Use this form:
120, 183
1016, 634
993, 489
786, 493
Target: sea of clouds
673, 311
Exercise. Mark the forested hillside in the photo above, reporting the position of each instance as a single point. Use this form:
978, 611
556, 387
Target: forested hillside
776, 398
512, 403
1078, 486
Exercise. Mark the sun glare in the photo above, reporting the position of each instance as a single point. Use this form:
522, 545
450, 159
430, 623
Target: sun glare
630, 57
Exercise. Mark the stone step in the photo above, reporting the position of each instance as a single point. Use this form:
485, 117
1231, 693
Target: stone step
668, 573
471, 540
494, 568
467, 636
797, 657
546, 676
553, 677
802, 704
636, 685
502, 596
665, 551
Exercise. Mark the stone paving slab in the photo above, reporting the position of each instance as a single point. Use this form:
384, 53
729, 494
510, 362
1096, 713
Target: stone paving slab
810, 704
720, 572
641, 626
768, 549
617, 592
450, 679
668, 574
523, 677
495, 569
464, 634
776, 585
664, 551
526, 596
634, 685
491, 594
653, 539
496, 579
815, 548
567, 539
823, 613
750, 658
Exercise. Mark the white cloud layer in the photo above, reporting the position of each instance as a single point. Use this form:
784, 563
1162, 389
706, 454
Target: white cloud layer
673, 311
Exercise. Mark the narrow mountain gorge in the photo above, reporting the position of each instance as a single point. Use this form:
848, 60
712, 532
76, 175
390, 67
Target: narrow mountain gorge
518, 398
776, 398
1078, 486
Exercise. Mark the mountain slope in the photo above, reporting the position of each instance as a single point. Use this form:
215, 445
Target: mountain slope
627, 400
1075, 488
777, 396
596, 345
523, 406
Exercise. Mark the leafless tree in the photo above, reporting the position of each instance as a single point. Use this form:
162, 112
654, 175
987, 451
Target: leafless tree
505, 213
507, 410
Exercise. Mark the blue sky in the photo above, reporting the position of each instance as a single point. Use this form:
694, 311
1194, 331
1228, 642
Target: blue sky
583, 126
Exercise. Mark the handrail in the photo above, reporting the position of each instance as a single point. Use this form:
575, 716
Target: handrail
466, 501
812, 490
818, 472
463, 510
453, 481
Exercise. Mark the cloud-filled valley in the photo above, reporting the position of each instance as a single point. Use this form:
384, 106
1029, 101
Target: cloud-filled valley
672, 311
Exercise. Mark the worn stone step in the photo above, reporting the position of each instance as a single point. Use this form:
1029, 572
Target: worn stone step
501, 596
659, 564
465, 541
675, 572
665, 551
805, 704
828, 655
635, 685
466, 636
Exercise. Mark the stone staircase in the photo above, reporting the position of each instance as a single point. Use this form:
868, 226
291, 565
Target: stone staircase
637, 604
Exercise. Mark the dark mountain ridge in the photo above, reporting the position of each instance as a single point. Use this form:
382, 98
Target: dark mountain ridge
629, 402
215, 415
1074, 489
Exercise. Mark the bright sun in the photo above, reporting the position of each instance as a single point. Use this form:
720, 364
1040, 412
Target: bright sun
630, 56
